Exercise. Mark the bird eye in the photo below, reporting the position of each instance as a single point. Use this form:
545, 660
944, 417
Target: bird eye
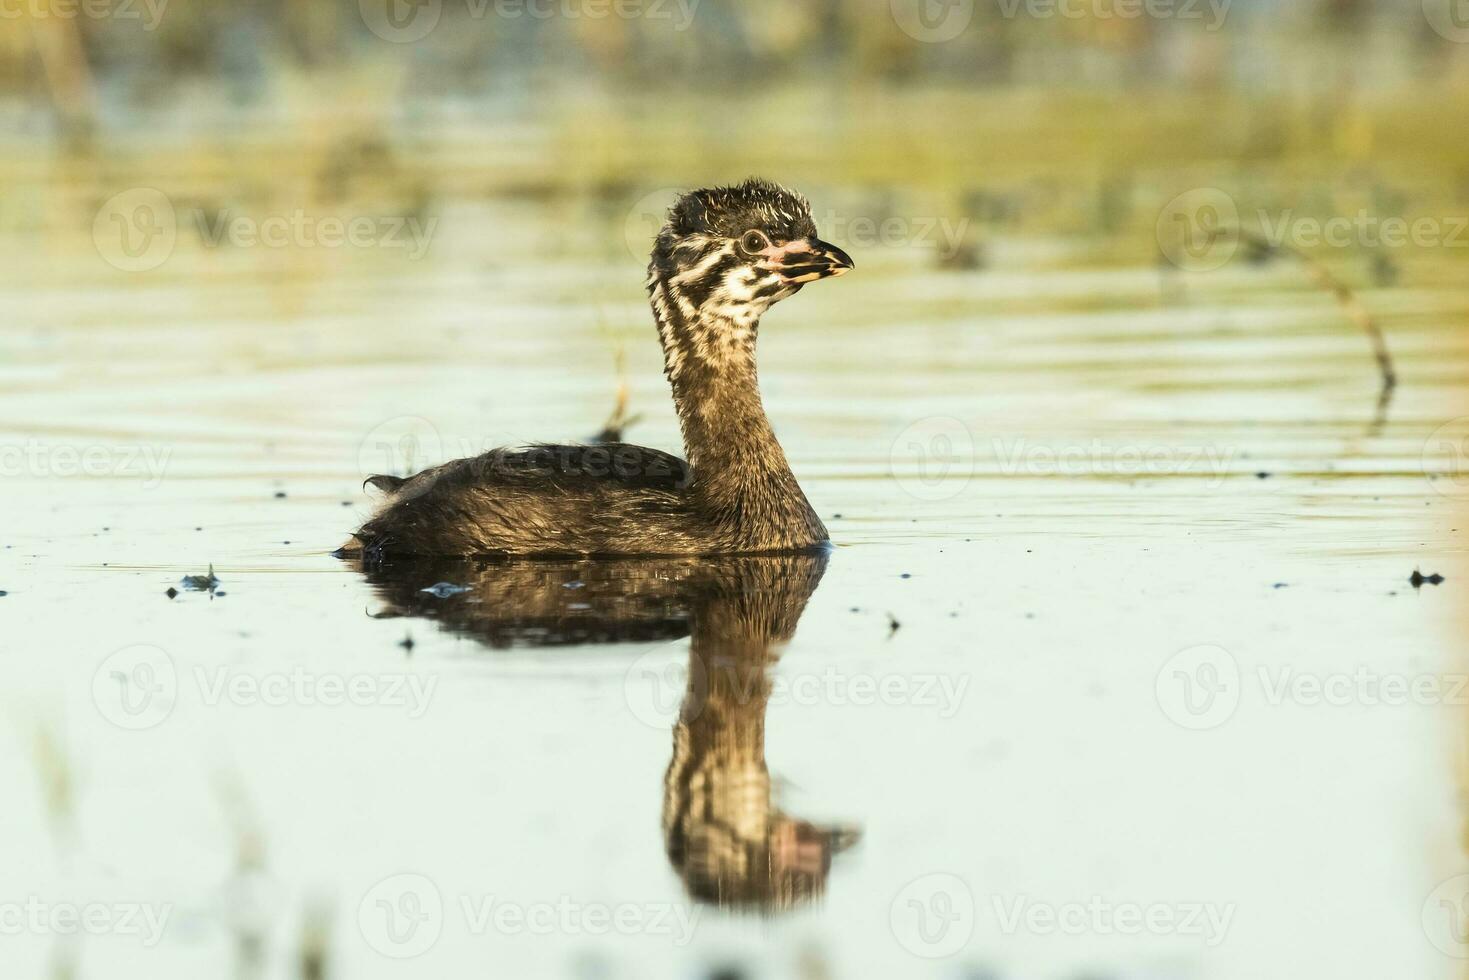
754, 241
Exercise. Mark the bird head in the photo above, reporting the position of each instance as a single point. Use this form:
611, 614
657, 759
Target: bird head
730, 253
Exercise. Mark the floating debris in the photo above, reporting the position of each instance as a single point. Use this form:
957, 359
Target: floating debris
407, 642
200, 583
443, 590
1417, 579
893, 624
171, 592
280, 495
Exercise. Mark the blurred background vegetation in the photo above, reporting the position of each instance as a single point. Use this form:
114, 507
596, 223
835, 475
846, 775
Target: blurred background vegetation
1027, 121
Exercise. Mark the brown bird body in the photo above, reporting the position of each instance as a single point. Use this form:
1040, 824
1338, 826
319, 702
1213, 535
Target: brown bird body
725, 256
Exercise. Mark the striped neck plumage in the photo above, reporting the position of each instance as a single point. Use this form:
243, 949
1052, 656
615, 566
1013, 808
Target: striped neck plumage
709, 338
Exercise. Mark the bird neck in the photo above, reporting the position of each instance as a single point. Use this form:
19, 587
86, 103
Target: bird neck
731, 447
727, 436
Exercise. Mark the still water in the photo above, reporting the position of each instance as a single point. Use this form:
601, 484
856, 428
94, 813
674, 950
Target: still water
1115, 669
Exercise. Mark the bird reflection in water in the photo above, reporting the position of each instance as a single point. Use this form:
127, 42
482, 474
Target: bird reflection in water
724, 835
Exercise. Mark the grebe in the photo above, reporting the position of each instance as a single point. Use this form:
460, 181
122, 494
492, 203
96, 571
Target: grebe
724, 257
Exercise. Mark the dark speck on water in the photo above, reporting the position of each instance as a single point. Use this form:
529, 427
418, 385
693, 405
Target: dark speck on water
1280, 585
1418, 579
443, 590
280, 494
200, 583
906, 575
171, 592
407, 642
1262, 475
